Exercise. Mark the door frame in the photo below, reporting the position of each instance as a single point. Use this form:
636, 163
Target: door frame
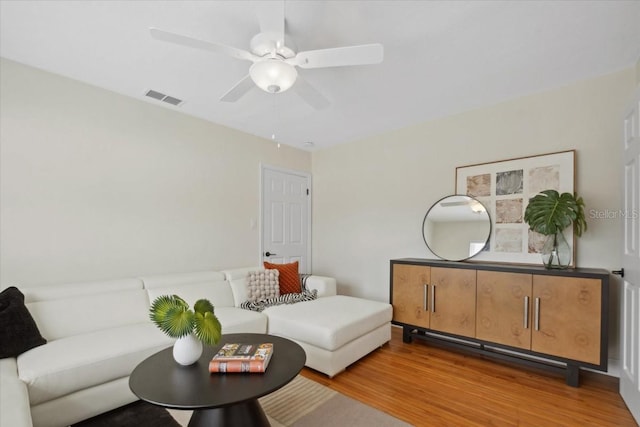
307, 175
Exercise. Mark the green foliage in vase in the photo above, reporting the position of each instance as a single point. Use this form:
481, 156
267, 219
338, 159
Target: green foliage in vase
550, 212
172, 315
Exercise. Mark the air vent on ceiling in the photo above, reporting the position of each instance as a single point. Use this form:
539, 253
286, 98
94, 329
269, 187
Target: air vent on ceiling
164, 98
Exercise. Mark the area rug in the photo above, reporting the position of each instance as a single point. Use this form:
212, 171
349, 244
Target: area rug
301, 403
138, 413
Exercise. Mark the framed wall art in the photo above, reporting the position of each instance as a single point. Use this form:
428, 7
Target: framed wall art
505, 188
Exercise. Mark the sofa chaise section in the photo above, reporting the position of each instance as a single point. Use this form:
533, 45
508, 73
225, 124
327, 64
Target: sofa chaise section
334, 330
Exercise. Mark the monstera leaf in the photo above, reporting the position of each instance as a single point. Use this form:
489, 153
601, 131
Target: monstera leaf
550, 212
172, 315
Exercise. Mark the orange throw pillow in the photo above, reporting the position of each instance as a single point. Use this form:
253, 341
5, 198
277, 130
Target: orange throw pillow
289, 278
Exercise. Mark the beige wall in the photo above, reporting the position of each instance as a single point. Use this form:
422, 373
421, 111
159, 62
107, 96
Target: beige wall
370, 196
97, 185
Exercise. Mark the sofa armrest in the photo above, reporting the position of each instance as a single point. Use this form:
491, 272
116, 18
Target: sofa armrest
15, 410
326, 286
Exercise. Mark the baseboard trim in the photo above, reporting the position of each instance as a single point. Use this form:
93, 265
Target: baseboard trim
613, 369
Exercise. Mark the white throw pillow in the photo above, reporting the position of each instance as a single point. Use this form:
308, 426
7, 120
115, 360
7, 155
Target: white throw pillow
263, 284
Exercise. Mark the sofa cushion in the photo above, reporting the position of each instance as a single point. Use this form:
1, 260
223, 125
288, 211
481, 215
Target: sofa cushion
238, 280
328, 322
217, 292
289, 278
18, 330
176, 279
236, 320
66, 290
263, 284
239, 273
77, 362
87, 313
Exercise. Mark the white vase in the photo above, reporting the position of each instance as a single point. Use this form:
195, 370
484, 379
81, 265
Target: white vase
187, 350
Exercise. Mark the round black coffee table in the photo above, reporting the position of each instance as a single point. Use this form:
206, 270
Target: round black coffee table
217, 399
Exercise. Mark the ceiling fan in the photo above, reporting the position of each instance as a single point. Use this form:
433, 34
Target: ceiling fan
275, 59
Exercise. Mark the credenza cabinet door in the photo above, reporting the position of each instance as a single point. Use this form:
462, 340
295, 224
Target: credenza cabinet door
410, 294
453, 301
504, 308
567, 317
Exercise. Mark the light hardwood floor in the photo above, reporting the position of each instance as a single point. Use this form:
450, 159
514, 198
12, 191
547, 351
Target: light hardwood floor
430, 386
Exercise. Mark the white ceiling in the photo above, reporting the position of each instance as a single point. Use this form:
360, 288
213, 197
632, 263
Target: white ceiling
440, 57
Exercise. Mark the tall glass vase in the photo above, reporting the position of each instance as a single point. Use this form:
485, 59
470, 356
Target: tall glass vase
556, 252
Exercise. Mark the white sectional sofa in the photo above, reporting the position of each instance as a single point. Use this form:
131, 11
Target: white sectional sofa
97, 332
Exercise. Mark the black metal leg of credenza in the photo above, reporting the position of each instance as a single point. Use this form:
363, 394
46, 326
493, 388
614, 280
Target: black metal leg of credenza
406, 334
573, 375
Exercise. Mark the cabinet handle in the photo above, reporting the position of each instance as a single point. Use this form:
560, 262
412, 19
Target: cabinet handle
425, 295
433, 298
526, 312
537, 315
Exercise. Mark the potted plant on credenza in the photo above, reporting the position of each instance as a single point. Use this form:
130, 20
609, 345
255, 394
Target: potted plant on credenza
550, 213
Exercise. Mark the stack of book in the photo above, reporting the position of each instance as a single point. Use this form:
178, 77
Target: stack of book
242, 357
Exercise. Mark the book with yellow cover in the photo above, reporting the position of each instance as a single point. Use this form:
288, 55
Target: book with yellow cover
242, 357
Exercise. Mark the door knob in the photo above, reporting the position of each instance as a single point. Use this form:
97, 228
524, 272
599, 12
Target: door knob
269, 253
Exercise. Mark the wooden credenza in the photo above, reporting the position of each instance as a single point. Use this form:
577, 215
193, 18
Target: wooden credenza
554, 319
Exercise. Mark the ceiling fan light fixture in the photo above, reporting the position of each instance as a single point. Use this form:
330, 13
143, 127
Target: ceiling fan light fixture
273, 75
477, 207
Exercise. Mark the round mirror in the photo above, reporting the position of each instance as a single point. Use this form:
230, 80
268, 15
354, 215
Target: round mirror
456, 228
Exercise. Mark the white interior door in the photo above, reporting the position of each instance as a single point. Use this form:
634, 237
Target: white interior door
630, 322
286, 217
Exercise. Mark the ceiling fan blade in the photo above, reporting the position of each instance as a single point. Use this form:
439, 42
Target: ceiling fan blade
237, 91
310, 94
202, 44
339, 56
460, 203
271, 17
